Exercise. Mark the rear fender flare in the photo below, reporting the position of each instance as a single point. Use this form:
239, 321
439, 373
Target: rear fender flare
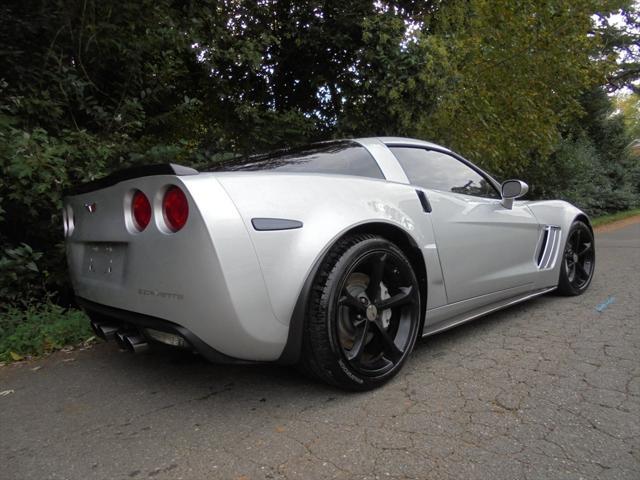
291, 353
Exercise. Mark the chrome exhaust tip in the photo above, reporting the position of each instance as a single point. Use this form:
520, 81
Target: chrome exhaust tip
121, 341
138, 343
104, 331
132, 341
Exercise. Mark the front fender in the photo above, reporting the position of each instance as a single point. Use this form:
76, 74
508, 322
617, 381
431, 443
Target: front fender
562, 214
556, 212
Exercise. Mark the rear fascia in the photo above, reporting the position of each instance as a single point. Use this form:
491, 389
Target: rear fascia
205, 277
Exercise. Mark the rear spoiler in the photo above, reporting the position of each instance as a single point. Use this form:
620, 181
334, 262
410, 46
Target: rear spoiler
130, 173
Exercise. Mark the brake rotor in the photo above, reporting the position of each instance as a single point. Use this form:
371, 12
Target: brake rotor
357, 285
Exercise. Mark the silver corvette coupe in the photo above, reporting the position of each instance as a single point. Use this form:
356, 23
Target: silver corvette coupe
335, 256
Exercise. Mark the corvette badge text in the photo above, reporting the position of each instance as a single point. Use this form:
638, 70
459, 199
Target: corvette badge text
155, 293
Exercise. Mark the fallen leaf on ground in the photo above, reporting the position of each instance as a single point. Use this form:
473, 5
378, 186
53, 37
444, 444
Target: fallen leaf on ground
35, 369
4, 393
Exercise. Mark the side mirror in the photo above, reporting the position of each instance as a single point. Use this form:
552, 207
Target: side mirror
512, 189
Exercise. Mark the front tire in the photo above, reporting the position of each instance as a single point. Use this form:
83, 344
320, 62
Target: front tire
578, 260
363, 314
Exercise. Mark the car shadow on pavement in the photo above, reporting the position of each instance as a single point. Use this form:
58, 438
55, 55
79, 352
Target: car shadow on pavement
162, 370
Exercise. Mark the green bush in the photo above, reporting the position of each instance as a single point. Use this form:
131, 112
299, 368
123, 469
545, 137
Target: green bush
40, 329
21, 278
579, 175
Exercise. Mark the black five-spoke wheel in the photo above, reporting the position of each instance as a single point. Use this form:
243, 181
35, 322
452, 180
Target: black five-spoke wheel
376, 309
578, 262
364, 314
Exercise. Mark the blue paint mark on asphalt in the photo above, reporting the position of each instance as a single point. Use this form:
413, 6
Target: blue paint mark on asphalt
603, 306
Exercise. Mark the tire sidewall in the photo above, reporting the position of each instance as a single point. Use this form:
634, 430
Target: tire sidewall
565, 285
341, 369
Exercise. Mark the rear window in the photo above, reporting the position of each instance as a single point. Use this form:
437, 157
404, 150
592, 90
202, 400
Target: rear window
342, 158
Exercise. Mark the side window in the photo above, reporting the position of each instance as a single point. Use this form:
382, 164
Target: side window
439, 171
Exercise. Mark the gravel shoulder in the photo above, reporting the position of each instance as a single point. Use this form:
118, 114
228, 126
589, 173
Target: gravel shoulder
617, 225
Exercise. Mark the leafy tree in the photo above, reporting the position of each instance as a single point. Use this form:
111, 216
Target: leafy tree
620, 43
521, 67
592, 166
629, 107
90, 86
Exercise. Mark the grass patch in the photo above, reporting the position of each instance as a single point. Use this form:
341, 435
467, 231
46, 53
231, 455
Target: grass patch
604, 219
40, 329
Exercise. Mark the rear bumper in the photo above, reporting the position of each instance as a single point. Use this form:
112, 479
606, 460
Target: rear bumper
126, 320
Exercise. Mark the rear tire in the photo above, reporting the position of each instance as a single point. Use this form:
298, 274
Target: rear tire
578, 261
363, 314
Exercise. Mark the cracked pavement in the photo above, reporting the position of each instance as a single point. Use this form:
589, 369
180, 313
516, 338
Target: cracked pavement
546, 389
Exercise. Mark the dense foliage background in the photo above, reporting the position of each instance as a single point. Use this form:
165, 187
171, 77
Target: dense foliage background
521, 87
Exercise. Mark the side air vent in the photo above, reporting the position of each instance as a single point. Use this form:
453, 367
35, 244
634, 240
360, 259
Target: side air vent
549, 247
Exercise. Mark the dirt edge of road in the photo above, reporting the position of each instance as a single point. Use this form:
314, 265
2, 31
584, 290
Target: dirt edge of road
618, 224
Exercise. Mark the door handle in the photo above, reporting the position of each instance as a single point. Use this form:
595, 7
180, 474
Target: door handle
424, 201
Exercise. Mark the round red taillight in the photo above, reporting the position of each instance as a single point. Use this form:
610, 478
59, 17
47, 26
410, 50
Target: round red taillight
176, 208
141, 210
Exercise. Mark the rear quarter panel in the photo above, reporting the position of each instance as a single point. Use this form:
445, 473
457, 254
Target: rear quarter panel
328, 206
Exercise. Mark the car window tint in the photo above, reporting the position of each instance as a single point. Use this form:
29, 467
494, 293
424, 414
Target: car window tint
439, 171
343, 158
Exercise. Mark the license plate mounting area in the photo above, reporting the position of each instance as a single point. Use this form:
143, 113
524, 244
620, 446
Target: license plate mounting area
104, 261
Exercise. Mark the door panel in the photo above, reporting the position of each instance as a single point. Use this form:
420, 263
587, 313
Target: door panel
484, 248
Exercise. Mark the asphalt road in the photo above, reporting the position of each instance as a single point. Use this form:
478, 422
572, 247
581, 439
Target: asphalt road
548, 389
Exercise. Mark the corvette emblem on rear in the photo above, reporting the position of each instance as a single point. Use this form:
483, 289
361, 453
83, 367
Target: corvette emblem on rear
91, 207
